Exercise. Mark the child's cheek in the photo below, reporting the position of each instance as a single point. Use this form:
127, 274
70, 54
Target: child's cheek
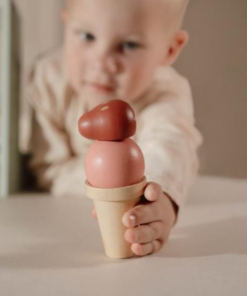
74, 67
136, 83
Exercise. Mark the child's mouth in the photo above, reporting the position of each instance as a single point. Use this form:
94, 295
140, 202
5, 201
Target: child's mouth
102, 88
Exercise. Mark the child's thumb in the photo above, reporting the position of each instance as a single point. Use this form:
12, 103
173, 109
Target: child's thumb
94, 213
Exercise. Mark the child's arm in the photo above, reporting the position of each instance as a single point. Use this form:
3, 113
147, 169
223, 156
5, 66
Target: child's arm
57, 167
169, 139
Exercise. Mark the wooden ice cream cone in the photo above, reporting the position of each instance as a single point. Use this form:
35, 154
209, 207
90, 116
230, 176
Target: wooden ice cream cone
111, 204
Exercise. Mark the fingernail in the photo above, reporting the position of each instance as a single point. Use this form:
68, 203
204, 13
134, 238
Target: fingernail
132, 219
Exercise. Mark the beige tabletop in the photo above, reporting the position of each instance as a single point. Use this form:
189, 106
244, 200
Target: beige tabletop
52, 247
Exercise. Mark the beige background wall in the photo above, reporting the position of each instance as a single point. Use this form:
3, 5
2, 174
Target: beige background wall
215, 61
41, 28
216, 64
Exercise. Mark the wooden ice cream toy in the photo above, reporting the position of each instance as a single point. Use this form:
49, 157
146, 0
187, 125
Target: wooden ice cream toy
114, 167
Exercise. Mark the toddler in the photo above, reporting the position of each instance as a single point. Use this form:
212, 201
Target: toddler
120, 49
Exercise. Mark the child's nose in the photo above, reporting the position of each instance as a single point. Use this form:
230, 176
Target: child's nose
106, 62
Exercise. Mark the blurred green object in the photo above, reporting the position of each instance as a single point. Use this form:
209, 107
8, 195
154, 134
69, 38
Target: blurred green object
9, 92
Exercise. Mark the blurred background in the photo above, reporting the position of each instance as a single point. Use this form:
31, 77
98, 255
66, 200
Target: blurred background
214, 61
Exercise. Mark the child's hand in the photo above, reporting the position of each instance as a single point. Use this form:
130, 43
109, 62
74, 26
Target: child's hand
154, 220
157, 216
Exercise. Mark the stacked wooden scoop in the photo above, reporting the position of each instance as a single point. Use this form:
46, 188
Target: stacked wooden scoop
114, 167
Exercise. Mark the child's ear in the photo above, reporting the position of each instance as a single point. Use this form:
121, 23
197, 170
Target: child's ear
175, 47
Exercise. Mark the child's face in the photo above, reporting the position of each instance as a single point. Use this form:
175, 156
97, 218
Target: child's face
113, 47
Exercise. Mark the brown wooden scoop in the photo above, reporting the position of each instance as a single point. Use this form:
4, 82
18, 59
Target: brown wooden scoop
110, 121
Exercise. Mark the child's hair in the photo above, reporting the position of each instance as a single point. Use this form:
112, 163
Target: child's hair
176, 8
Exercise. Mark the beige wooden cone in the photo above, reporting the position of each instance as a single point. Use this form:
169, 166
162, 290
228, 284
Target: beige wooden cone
111, 204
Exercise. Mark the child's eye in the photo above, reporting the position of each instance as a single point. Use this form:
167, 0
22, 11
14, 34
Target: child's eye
130, 45
86, 36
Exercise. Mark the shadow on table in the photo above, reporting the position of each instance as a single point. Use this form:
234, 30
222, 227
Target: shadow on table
55, 247
54, 256
216, 238
49, 241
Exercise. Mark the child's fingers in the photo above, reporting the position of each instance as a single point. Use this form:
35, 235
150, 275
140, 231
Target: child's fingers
146, 233
147, 249
152, 191
94, 213
148, 238
142, 214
